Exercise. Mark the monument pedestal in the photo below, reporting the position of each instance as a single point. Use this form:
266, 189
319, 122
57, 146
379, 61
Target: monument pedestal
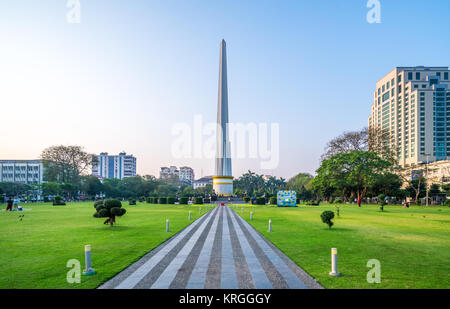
223, 185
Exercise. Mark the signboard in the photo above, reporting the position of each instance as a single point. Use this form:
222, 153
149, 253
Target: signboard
416, 174
287, 198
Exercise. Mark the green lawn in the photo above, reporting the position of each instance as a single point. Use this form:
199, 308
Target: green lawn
34, 251
412, 245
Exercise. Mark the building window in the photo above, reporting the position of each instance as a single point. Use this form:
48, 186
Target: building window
418, 75
446, 75
410, 75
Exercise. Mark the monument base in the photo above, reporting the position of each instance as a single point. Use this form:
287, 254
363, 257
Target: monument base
223, 185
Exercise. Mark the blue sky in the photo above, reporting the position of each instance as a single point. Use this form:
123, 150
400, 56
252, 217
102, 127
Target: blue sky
130, 70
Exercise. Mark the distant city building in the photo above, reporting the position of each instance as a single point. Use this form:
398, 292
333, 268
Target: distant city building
120, 166
412, 105
202, 182
185, 174
22, 171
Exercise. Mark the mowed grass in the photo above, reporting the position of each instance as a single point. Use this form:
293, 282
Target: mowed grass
34, 252
412, 245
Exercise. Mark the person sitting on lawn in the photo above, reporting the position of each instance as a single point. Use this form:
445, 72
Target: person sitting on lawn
16, 203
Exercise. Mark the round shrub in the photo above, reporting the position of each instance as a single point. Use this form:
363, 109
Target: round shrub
112, 202
148, 200
98, 203
261, 201
273, 200
206, 201
184, 200
131, 201
198, 200
162, 200
57, 201
171, 200
337, 201
326, 217
246, 199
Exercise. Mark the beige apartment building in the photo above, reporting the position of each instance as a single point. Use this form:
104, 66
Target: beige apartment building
413, 105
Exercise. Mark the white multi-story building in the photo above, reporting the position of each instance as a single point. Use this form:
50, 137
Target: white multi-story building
413, 105
203, 182
22, 171
120, 166
185, 173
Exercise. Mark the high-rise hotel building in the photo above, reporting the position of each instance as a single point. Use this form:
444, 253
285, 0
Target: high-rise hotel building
120, 166
413, 105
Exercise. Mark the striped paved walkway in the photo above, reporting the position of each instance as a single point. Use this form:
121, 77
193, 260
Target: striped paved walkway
220, 250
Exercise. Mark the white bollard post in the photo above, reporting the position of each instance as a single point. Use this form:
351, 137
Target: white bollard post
189, 215
242, 210
87, 257
200, 210
334, 269
251, 216
270, 225
167, 225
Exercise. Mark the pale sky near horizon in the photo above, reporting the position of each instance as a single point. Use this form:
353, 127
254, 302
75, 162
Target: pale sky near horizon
131, 70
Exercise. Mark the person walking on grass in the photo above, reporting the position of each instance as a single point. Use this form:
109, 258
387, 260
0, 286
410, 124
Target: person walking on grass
9, 204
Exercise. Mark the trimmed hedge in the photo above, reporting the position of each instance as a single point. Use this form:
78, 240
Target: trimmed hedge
184, 200
131, 201
246, 199
171, 200
162, 200
273, 200
206, 201
198, 200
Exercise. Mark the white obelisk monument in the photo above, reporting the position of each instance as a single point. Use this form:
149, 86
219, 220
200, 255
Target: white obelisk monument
223, 181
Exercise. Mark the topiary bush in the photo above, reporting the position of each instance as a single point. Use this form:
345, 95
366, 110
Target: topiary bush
184, 200
206, 201
110, 209
132, 201
171, 200
273, 200
326, 217
246, 199
149, 200
198, 200
261, 201
98, 203
57, 201
142, 199
337, 201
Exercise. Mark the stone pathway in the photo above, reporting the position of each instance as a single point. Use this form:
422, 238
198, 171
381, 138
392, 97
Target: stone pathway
220, 250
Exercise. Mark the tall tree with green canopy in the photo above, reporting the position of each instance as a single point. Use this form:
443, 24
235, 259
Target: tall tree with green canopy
352, 172
65, 164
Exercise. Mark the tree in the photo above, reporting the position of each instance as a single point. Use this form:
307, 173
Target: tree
388, 184
348, 141
65, 164
14, 189
352, 173
91, 185
109, 208
435, 189
50, 188
326, 217
417, 188
299, 181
